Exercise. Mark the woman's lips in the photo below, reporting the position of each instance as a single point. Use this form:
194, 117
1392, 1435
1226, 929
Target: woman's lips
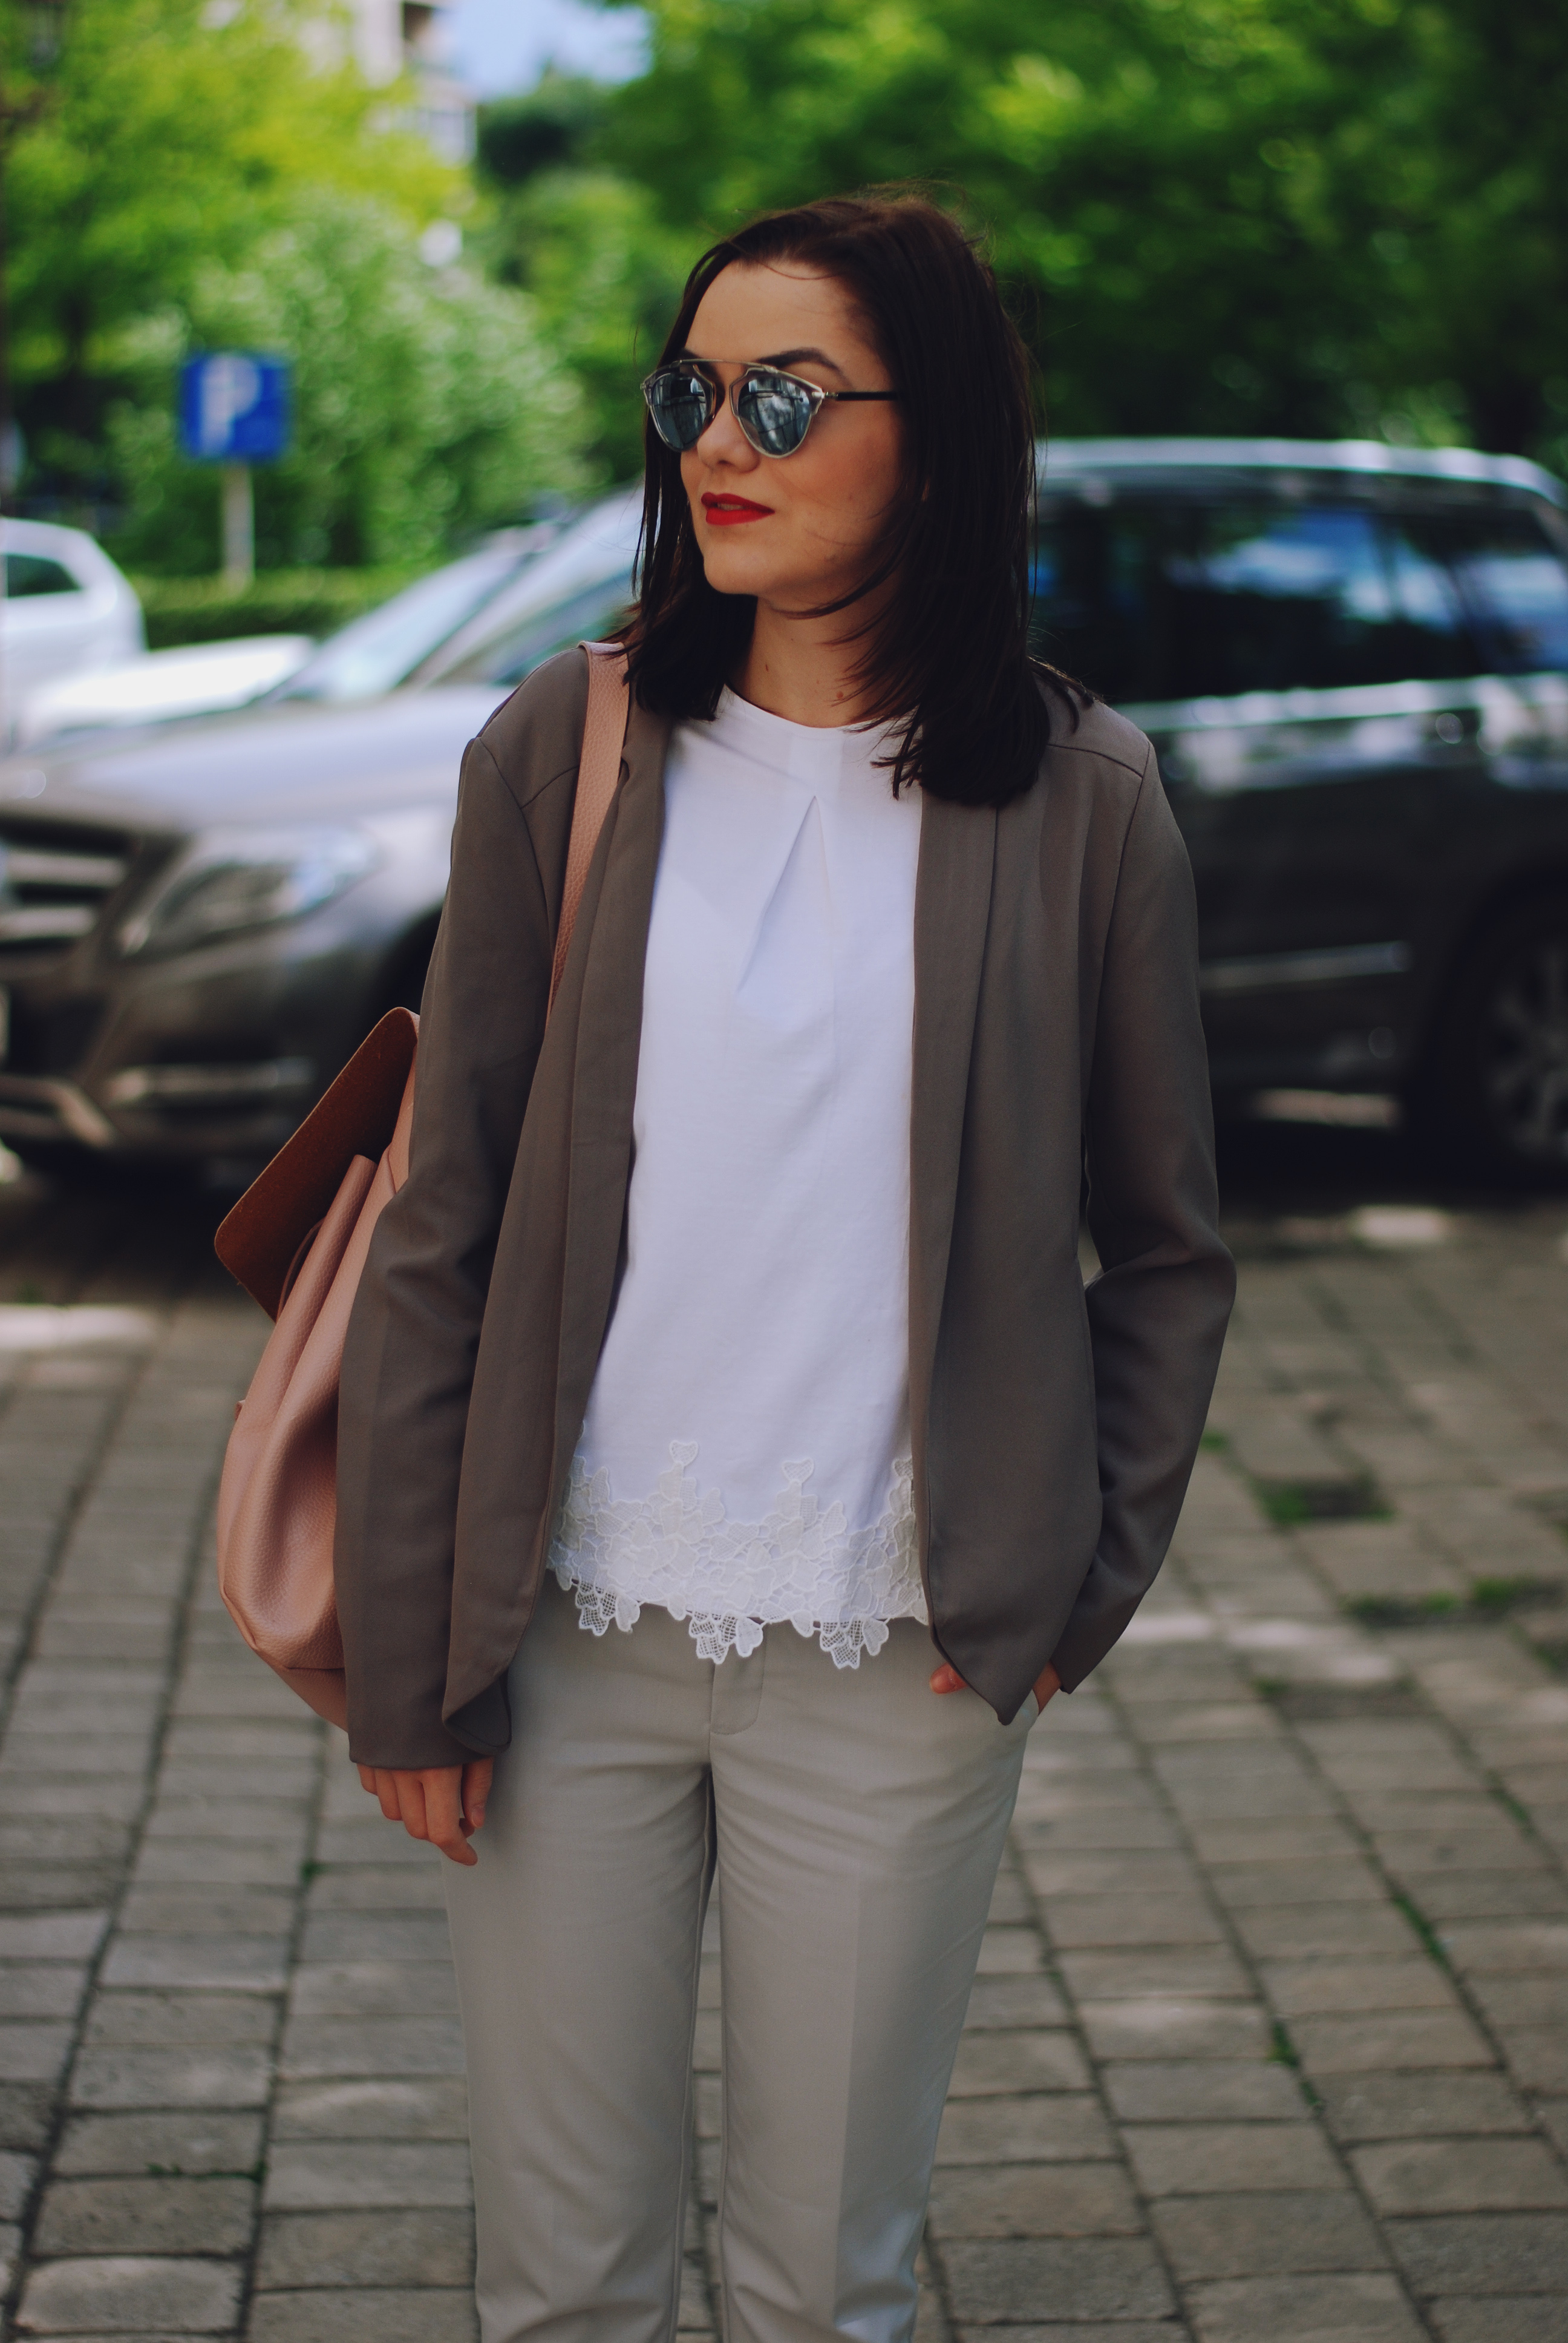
724, 512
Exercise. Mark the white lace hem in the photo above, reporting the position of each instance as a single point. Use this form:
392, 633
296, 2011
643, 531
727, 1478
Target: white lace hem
679, 1549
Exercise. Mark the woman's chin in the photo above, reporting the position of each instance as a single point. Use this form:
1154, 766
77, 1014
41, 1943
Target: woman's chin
729, 570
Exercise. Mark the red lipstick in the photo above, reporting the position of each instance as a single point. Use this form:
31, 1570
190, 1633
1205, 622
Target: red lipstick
726, 511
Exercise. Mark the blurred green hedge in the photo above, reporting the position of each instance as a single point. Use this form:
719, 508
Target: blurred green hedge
279, 602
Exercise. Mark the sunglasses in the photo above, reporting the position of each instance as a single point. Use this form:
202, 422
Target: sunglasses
773, 409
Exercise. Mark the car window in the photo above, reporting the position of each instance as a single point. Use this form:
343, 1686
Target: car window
1184, 601
585, 616
376, 653
1515, 583
34, 573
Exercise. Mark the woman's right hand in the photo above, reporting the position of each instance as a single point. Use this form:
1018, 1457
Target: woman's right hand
443, 1804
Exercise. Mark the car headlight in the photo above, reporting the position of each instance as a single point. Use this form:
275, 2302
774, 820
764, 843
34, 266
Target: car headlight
229, 879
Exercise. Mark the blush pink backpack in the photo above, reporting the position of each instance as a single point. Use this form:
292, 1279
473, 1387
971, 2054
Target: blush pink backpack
296, 1241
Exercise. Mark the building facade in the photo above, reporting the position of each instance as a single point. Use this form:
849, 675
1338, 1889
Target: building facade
397, 36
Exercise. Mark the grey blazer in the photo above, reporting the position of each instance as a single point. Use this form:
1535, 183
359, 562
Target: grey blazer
1057, 1046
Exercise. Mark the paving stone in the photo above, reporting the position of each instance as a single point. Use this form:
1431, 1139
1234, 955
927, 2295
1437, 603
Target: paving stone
1537, 2056
1026, 2200
33, 2053
1061, 2127
171, 2078
1093, 2330
1323, 1987
336, 1937
360, 2315
367, 1887
258, 1963
1484, 2253
1321, 1931
1078, 1922
1527, 2319
1462, 2176
363, 1988
1006, 2002
1413, 2106
1009, 1952
1158, 2090
1205, 1970
1204, 2159
393, 2046
1303, 2309
1003, 2280
378, 2109
170, 2020
1391, 2039
163, 2215
1520, 1947
121, 2294
41, 1988
1349, 1880
1158, 2025
1515, 2002
161, 2146
1244, 2235
423, 2248
1007, 2064
303, 2178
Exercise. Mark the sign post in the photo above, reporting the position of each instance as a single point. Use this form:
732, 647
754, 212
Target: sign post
233, 411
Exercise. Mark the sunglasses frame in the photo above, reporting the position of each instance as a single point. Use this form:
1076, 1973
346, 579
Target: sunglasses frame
693, 371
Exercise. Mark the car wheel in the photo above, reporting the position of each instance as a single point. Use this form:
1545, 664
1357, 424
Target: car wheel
1498, 1078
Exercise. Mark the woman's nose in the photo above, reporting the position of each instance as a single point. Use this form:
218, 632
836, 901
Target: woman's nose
724, 442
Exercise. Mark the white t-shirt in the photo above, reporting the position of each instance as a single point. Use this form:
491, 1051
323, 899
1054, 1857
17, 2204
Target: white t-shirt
746, 1454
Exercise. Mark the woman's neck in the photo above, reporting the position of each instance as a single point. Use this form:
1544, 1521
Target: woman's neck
802, 669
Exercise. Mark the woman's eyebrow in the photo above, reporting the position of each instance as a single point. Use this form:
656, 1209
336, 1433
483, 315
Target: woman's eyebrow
777, 358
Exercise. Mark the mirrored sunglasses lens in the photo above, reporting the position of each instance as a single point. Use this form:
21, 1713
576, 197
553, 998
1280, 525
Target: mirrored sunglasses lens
774, 413
681, 406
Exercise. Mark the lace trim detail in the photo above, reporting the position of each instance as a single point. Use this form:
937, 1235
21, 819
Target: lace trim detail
679, 1549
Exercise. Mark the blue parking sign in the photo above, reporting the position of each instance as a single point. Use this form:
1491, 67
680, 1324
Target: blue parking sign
234, 407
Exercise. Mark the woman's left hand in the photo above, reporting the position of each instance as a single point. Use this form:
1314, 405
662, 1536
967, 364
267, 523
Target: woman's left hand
1047, 1684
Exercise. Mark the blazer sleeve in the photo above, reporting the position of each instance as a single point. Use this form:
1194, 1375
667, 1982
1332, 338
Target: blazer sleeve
1159, 1307
408, 1360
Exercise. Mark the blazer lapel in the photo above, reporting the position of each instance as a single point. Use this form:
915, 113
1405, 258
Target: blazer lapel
952, 908
618, 899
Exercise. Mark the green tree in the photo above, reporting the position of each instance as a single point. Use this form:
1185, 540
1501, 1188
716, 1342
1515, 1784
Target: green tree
177, 133
1297, 215
427, 403
587, 244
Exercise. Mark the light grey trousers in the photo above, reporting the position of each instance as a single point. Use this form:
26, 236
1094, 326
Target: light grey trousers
856, 1820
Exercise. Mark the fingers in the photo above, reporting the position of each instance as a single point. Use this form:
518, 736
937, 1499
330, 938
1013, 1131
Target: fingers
441, 1795
434, 1803
478, 1776
1047, 1685
947, 1679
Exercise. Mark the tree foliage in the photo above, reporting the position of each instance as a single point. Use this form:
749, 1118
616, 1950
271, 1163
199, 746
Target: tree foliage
426, 402
1291, 216
589, 244
215, 173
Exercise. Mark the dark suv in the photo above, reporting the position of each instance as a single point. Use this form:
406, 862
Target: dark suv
1354, 662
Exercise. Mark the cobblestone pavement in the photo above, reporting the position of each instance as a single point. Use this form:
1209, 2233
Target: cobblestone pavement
1270, 2038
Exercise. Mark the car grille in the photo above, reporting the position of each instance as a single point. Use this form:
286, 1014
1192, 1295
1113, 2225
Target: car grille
55, 879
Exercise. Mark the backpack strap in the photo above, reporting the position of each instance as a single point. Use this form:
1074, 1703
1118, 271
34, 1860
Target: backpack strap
599, 777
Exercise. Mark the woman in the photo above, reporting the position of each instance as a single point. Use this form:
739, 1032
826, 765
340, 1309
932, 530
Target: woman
737, 1319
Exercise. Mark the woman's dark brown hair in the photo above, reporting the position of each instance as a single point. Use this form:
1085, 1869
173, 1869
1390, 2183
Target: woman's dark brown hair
948, 662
